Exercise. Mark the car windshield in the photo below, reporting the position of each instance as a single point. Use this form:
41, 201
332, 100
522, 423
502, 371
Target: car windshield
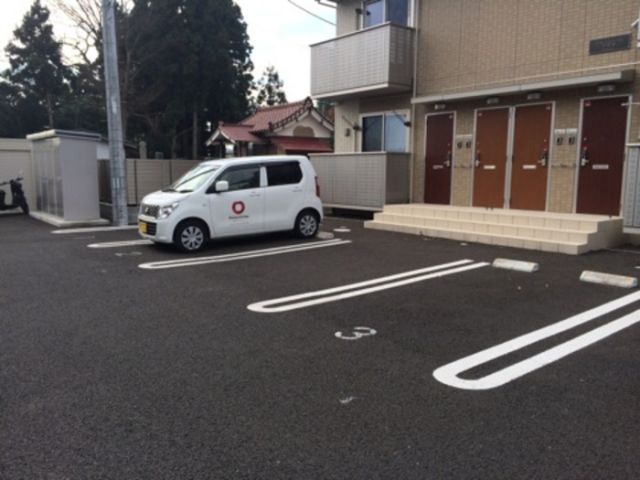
193, 179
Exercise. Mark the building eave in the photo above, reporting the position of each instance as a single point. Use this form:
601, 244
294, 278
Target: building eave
621, 76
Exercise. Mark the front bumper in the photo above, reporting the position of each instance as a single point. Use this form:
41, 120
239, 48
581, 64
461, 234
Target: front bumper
155, 229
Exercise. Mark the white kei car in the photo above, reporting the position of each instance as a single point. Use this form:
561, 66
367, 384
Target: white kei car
242, 196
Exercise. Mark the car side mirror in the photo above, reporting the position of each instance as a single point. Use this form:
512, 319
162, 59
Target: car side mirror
222, 186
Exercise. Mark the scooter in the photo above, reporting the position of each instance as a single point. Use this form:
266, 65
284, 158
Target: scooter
18, 200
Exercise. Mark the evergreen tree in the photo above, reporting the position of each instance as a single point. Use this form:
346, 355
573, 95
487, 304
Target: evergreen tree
269, 88
37, 71
9, 121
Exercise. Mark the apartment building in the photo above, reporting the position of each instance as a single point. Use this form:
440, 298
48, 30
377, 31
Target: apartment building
506, 104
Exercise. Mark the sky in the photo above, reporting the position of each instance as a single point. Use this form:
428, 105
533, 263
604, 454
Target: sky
279, 32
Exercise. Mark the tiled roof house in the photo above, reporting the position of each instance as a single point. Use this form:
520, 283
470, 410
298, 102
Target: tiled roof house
292, 128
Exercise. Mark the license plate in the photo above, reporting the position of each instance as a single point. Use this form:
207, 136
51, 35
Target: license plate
142, 227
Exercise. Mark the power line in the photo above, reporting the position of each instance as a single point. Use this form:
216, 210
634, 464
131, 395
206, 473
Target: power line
311, 13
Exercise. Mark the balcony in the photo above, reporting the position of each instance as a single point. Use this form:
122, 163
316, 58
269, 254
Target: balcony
362, 181
377, 60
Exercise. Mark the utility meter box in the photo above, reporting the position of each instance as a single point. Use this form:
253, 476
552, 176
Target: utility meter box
65, 173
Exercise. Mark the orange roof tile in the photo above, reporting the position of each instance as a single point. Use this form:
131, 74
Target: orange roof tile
265, 116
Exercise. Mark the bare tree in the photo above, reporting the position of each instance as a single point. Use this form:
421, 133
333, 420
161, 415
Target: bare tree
86, 15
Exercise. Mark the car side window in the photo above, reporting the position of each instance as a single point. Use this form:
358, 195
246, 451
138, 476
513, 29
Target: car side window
241, 178
286, 173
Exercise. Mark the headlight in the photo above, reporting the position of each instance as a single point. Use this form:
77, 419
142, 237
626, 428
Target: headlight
167, 210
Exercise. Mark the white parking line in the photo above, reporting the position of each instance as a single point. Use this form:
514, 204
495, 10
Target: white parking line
354, 289
191, 262
448, 374
127, 243
93, 229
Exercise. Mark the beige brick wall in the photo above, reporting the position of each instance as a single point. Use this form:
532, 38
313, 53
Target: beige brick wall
473, 44
470, 44
418, 154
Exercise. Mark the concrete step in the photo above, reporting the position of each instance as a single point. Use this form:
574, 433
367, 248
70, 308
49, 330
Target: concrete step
566, 221
479, 226
554, 246
551, 232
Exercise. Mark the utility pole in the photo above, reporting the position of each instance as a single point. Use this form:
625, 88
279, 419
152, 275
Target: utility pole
114, 116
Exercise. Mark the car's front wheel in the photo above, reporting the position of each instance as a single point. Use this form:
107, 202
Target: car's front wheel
190, 236
307, 224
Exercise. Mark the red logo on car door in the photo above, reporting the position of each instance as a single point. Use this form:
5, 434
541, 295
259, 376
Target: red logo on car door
238, 207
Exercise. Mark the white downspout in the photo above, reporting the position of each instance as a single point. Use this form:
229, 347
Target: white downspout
414, 120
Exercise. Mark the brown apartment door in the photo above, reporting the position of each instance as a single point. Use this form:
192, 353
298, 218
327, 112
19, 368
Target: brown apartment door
437, 185
492, 131
604, 130
530, 157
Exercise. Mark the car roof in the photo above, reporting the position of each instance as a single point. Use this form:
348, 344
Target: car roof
255, 159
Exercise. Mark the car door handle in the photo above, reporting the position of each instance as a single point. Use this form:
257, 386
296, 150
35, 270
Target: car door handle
255, 194
296, 190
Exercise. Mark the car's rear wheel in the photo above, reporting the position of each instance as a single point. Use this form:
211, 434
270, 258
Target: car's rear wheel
307, 224
190, 236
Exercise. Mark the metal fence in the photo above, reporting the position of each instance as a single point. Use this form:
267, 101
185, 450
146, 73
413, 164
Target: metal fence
143, 177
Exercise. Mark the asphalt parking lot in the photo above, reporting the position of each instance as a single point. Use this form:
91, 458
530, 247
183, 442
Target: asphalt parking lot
275, 358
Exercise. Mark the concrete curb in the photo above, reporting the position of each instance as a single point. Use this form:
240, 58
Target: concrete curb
61, 223
609, 279
93, 229
515, 265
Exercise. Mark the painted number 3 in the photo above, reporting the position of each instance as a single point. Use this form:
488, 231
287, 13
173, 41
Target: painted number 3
357, 334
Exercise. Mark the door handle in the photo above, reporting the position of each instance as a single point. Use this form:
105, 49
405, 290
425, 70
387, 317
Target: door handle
477, 160
584, 159
544, 158
447, 162
254, 194
297, 190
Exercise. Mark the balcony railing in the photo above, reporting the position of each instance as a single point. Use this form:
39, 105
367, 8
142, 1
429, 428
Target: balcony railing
375, 60
363, 181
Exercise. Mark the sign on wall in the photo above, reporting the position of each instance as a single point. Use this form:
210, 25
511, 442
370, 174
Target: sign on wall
610, 44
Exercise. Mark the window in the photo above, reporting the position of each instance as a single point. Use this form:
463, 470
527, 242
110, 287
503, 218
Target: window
193, 179
398, 12
395, 133
384, 132
376, 12
284, 173
373, 13
241, 178
372, 133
